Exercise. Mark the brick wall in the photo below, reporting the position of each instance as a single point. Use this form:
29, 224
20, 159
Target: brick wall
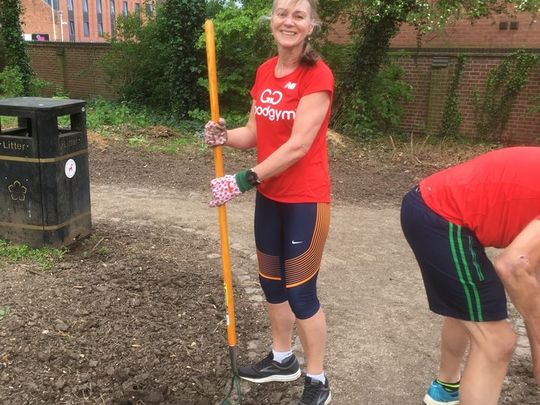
500, 31
339, 33
73, 67
430, 86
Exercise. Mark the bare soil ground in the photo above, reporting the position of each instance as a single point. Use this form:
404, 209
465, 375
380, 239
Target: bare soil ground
134, 314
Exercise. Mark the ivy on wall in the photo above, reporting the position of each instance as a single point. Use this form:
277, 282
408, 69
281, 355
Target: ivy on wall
504, 82
452, 117
14, 47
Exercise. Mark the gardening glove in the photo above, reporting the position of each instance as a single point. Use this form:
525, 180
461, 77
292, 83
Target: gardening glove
215, 133
227, 187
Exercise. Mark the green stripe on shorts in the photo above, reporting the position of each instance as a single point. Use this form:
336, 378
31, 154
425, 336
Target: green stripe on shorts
464, 275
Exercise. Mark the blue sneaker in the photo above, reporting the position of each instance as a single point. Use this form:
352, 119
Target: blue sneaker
437, 395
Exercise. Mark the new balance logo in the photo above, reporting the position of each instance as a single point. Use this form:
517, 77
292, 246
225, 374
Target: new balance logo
290, 86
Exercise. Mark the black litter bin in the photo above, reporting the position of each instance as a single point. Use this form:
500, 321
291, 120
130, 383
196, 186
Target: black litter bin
44, 177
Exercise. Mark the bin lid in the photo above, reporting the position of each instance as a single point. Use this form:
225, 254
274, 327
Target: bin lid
39, 103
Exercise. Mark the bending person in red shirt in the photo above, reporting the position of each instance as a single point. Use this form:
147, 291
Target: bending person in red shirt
292, 96
448, 220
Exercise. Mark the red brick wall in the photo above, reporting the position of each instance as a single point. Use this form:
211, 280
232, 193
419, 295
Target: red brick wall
485, 33
339, 33
420, 116
73, 67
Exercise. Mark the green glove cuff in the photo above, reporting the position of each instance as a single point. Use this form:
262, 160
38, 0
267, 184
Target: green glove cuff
241, 181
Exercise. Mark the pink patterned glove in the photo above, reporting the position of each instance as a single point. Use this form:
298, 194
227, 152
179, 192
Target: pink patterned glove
224, 189
215, 133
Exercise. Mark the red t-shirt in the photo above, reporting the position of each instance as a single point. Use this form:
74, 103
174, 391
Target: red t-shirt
275, 101
494, 195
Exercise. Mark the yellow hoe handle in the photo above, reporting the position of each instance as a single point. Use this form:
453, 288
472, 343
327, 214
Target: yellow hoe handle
218, 163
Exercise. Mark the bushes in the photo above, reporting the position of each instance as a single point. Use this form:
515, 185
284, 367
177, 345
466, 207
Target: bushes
12, 84
368, 115
160, 63
156, 63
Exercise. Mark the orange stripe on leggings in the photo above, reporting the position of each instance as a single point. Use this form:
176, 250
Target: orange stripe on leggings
303, 268
269, 266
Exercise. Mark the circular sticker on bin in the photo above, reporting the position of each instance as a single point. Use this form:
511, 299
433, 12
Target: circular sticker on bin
70, 168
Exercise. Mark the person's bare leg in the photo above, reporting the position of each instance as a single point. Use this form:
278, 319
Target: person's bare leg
518, 267
312, 333
492, 345
535, 351
282, 321
454, 342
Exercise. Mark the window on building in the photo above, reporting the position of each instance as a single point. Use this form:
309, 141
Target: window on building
125, 8
54, 4
99, 18
86, 24
149, 9
72, 30
71, 20
137, 9
113, 18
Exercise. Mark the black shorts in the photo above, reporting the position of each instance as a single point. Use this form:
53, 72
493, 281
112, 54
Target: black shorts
459, 278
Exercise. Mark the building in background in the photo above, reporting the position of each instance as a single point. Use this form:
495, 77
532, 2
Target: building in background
77, 20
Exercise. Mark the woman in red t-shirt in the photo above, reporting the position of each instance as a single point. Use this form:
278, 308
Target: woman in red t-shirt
291, 106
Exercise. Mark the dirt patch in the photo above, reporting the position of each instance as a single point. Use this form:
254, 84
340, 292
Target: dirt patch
125, 319
135, 313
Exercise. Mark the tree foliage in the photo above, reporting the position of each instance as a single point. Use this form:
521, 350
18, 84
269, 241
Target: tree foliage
243, 41
155, 62
178, 26
373, 23
13, 45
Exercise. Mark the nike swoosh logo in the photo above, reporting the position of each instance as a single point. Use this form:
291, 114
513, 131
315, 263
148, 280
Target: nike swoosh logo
295, 242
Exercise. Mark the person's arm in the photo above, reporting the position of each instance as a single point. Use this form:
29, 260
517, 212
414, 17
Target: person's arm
310, 114
244, 137
518, 267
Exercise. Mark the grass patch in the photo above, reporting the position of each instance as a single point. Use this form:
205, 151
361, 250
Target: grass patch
141, 127
4, 312
7, 121
43, 257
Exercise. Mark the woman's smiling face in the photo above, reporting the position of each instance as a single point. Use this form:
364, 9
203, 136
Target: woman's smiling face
291, 23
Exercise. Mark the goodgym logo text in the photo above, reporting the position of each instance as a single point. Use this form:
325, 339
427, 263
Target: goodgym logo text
273, 98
